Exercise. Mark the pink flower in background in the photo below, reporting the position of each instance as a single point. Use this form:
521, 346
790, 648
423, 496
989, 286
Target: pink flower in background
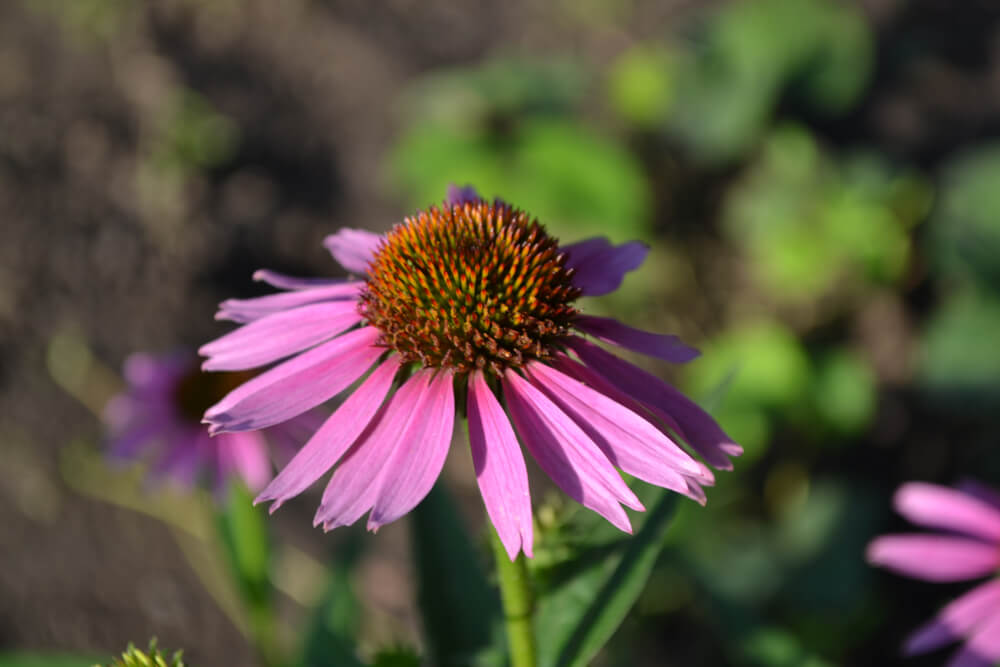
968, 547
158, 418
468, 308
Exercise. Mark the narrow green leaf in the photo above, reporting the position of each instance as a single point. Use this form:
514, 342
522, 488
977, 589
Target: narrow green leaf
330, 638
245, 539
458, 605
576, 618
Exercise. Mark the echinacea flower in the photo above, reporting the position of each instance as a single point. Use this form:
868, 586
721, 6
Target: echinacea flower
158, 418
967, 548
470, 308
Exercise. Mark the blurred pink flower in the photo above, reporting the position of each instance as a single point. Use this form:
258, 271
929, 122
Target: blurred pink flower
468, 304
158, 417
968, 547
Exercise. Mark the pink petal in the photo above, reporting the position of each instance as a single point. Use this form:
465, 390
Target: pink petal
333, 438
940, 507
297, 385
128, 445
500, 468
354, 249
282, 281
662, 346
983, 648
245, 456
600, 266
934, 557
956, 620
418, 460
629, 441
461, 196
355, 484
279, 335
696, 426
566, 454
248, 310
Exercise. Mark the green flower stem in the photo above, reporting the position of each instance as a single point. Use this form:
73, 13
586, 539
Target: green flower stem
518, 604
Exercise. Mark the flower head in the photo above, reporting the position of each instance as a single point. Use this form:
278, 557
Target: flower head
967, 548
470, 307
158, 416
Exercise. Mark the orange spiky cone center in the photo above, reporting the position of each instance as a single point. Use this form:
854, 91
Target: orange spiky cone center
473, 286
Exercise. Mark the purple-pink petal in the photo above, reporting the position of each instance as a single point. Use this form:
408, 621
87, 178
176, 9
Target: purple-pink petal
417, 461
629, 441
354, 249
282, 281
333, 438
500, 469
243, 455
566, 454
297, 385
355, 484
982, 649
599, 266
279, 335
940, 507
934, 557
249, 310
662, 346
461, 196
957, 619
696, 426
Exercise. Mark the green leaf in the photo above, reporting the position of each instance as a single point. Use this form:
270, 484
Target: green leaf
245, 538
459, 607
329, 639
578, 617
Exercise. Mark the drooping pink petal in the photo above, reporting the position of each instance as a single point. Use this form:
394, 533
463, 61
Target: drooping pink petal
279, 335
980, 491
329, 443
696, 426
934, 557
245, 456
249, 310
566, 454
629, 441
940, 507
575, 369
282, 281
662, 346
417, 461
127, 445
148, 375
355, 484
182, 455
296, 385
500, 469
982, 649
956, 620
463, 195
600, 266
353, 248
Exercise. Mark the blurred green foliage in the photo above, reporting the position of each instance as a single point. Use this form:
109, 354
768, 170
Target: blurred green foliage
813, 225
729, 79
506, 129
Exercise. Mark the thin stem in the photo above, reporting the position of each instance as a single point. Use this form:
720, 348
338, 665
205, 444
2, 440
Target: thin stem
518, 604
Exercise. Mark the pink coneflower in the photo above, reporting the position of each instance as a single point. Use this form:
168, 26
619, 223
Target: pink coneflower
466, 307
158, 418
968, 549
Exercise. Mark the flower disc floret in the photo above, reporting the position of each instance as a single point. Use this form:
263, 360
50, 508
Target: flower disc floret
470, 286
